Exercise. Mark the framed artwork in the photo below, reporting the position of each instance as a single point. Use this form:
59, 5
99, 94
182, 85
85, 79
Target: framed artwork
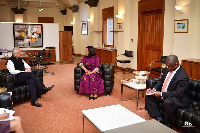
181, 26
120, 27
84, 28
28, 35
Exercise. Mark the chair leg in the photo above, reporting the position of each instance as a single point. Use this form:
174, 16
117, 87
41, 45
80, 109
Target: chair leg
48, 72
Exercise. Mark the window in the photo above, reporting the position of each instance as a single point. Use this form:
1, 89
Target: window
107, 26
109, 34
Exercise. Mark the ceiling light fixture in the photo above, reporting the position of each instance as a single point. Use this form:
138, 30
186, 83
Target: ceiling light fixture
89, 20
40, 10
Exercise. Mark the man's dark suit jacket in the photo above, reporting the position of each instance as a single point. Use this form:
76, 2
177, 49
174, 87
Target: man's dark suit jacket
178, 88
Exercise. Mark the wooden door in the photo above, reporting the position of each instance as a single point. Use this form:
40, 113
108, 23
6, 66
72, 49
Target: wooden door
150, 32
65, 45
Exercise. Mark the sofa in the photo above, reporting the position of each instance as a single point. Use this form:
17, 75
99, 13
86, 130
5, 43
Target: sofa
185, 119
107, 75
19, 93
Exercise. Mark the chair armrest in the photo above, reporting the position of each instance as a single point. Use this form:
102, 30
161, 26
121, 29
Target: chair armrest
151, 82
108, 77
152, 63
7, 80
77, 77
38, 73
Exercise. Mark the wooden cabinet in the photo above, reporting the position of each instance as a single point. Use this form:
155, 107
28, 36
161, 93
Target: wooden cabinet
3, 64
47, 50
106, 56
53, 54
65, 45
192, 66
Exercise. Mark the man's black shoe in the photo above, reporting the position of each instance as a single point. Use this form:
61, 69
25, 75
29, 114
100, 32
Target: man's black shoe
168, 125
35, 103
46, 89
160, 119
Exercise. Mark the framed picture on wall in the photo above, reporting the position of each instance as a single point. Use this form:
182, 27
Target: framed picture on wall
181, 26
84, 28
120, 27
28, 35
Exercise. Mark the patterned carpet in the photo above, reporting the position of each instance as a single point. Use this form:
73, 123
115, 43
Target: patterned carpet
61, 110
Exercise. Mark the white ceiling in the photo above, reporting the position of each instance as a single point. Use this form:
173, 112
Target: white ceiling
62, 4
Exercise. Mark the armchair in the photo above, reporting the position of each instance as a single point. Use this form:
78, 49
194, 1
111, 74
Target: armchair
186, 119
19, 93
124, 60
158, 68
107, 76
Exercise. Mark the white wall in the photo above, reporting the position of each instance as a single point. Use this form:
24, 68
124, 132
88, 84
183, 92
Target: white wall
50, 37
6, 14
31, 15
168, 40
84, 13
186, 45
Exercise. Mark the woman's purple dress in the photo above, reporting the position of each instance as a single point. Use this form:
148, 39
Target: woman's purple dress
91, 84
4, 126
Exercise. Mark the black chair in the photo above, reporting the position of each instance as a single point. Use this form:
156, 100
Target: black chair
124, 60
107, 76
20, 93
45, 63
34, 60
160, 62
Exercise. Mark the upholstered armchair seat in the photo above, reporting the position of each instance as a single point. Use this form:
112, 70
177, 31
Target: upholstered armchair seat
19, 93
107, 76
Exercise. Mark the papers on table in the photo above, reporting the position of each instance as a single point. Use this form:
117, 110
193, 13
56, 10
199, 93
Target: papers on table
151, 93
11, 113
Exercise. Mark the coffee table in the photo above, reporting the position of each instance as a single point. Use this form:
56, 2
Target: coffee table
133, 85
150, 126
110, 117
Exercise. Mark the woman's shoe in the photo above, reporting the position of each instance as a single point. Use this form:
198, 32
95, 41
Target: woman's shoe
95, 98
91, 98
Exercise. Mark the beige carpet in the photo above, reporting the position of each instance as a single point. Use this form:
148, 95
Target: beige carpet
62, 107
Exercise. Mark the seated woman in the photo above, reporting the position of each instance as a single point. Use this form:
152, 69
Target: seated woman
91, 81
10, 126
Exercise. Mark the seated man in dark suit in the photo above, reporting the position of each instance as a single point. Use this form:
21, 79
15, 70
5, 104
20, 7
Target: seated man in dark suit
24, 75
171, 89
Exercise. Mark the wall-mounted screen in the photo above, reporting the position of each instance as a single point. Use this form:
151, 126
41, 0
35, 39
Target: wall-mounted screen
28, 35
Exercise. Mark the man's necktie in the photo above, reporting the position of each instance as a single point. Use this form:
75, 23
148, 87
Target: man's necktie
166, 81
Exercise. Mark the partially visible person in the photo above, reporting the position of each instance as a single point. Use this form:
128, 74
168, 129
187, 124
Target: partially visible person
24, 75
171, 90
91, 81
10, 126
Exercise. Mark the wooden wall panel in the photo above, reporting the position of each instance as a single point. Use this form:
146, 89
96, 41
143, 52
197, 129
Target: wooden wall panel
45, 19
